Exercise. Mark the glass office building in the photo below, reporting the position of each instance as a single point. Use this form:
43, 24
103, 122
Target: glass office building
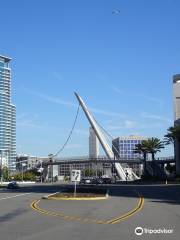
7, 115
123, 147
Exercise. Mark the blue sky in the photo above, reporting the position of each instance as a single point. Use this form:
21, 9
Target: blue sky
121, 64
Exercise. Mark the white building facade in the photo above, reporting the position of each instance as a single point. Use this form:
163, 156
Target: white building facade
176, 102
7, 116
93, 144
176, 97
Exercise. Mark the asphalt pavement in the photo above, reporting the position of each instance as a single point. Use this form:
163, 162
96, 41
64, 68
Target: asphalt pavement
155, 209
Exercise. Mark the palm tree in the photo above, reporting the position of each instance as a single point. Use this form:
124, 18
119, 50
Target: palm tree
153, 145
172, 134
141, 149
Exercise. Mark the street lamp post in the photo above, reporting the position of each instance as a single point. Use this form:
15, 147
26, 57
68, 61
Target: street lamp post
41, 171
22, 171
23, 165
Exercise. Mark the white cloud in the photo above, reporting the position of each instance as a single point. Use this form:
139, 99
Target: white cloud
126, 124
152, 125
145, 97
81, 132
152, 99
52, 99
117, 90
156, 117
21, 116
28, 120
129, 124
107, 112
74, 146
73, 105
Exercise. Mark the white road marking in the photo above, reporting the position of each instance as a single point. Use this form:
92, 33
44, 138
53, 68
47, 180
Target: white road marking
19, 195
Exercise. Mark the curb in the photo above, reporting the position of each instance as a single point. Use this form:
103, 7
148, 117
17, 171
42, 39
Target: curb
47, 196
76, 198
79, 199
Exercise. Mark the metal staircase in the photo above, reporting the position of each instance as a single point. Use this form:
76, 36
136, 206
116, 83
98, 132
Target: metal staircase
155, 170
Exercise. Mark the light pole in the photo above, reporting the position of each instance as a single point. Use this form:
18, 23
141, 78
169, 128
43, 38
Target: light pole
51, 159
23, 165
13, 164
22, 170
41, 170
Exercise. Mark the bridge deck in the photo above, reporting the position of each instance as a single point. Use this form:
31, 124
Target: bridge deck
105, 160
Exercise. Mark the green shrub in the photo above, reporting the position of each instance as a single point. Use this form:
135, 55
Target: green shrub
27, 176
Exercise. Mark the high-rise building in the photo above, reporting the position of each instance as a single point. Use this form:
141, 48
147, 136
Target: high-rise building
7, 115
176, 98
123, 147
176, 101
93, 144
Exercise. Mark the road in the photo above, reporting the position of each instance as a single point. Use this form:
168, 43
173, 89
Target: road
79, 220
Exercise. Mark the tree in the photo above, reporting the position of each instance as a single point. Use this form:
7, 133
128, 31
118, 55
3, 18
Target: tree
5, 173
88, 172
172, 134
27, 176
153, 145
141, 149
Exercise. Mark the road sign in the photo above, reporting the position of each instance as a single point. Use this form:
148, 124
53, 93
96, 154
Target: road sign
75, 175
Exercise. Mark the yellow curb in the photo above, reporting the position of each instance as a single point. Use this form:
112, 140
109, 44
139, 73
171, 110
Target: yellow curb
78, 198
139, 206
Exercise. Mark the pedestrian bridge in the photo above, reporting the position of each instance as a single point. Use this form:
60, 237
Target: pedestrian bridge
104, 159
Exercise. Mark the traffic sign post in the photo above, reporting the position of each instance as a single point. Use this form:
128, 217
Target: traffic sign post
75, 177
75, 189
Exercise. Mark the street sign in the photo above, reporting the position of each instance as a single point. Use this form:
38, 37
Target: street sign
75, 175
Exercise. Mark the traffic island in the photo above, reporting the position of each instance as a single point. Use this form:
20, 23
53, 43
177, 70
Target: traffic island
81, 194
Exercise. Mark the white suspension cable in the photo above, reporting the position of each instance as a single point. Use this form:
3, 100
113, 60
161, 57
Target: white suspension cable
70, 133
